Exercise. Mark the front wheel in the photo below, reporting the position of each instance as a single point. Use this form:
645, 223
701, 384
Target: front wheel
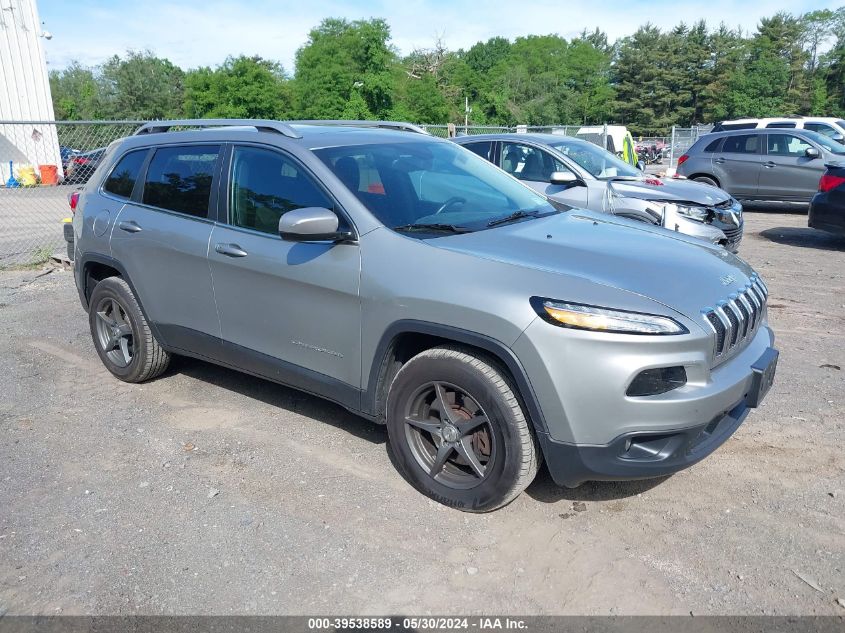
458, 432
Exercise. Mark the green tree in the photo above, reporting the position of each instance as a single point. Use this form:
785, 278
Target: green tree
343, 59
638, 80
76, 93
241, 88
141, 86
772, 80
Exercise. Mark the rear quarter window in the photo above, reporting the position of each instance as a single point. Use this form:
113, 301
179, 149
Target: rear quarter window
122, 178
179, 178
712, 146
482, 148
737, 126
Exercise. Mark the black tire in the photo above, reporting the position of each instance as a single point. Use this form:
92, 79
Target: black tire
706, 180
121, 334
479, 396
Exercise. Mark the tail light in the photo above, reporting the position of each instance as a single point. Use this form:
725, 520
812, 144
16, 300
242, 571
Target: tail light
829, 182
81, 161
73, 199
682, 159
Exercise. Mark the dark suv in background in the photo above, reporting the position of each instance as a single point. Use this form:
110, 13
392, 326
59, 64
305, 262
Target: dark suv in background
762, 164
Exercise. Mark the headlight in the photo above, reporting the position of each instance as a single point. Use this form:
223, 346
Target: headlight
699, 214
586, 317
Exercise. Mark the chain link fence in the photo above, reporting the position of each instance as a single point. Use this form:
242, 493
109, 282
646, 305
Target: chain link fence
42, 162
682, 138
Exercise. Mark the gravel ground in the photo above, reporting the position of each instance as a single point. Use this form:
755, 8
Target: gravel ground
207, 491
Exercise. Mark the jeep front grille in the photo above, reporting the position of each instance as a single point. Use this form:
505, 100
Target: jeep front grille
735, 320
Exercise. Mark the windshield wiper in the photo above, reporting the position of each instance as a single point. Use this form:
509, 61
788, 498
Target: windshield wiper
434, 226
516, 215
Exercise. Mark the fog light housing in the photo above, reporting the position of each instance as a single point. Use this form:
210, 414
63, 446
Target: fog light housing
652, 382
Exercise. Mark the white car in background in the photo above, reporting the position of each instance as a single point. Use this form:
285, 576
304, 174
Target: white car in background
829, 126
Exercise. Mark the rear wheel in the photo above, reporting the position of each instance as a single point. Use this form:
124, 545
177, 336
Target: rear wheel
122, 336
458, 432
706, 180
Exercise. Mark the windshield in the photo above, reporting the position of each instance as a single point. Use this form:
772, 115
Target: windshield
825, 141
597, 161
431, 183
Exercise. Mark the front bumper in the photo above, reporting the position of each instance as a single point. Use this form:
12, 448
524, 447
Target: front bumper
595, 432
639, 455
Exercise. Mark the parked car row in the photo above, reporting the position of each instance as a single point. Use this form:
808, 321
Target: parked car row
764, 164
827, 126
773, 165
460, 303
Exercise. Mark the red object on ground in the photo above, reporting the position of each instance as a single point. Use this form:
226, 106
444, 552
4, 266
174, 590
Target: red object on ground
49, 174
829, 182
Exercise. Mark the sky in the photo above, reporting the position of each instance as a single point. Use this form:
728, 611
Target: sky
193, 33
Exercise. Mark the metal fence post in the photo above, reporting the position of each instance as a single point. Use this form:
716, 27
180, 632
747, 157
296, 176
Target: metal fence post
604, 136
672, 149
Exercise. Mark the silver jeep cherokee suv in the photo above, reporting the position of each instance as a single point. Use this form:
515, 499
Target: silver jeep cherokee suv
416, 284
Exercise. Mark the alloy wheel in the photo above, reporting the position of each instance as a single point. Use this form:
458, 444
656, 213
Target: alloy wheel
114, 332
450, 435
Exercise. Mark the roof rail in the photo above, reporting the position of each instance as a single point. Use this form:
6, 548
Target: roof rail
262, 125
390, 125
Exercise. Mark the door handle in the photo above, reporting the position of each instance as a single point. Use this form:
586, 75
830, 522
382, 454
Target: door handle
230, 250
130, 226
719, 160
769, 164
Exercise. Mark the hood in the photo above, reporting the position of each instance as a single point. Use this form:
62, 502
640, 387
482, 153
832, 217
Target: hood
670, 191
682, 273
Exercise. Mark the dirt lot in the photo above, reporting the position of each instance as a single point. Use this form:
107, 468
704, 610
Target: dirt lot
211, 492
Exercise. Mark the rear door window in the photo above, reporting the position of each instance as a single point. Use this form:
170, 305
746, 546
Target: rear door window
122, 179
742, 144
529, 163
179, 178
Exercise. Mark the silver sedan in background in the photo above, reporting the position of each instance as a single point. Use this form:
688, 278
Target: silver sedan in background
581, 174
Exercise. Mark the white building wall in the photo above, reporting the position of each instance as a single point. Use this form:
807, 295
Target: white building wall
24, 90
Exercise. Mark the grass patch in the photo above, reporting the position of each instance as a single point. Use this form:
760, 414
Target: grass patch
39, 257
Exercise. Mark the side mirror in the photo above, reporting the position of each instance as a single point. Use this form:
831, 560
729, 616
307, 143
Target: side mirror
640, 165
839, 138
811, 152
565, 178
310, 224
